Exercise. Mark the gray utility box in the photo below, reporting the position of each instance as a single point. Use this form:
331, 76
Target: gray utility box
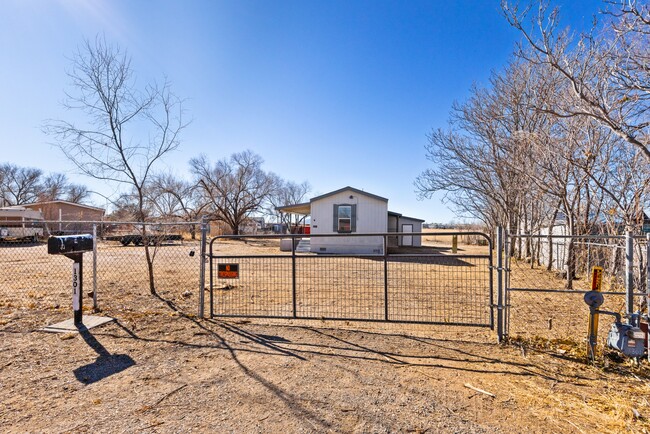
69, 244
627, 339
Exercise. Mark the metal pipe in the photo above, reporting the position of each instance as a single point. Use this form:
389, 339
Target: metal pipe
500, 334
211, 279
490, 267
567, 291
647, 285
506, 283
386, 277
293, 277
202, 259
95, 305
629, 273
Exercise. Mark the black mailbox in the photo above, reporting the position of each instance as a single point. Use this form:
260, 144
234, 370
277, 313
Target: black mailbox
69, 244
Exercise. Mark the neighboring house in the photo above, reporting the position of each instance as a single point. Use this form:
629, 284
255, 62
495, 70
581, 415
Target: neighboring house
61, 211
252, 225
350, 211
259, 224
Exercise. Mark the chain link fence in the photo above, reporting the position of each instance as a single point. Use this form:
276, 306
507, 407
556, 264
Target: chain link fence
37, 285
540, 302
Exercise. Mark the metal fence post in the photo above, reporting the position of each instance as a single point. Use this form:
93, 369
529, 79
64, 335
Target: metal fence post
202, 258
95, 305
647, 280
385, 277
500, 334
294, 303
629, 273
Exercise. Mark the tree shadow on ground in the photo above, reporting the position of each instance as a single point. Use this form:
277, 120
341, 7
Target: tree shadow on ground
269, 345
347, 349
308, 344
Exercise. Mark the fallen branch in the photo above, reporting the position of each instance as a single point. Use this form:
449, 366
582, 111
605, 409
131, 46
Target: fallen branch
169, 394
476, 389
410, 365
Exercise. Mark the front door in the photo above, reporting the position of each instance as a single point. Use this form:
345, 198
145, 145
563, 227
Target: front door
407, 240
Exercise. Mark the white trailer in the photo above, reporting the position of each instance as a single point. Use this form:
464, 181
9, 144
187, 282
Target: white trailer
20, 224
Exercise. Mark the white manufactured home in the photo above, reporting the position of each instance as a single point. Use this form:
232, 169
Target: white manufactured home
352, 211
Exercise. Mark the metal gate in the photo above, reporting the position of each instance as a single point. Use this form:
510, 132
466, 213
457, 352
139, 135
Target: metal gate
356, 277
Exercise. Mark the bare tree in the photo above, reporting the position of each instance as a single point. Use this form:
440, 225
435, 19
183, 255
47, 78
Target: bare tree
234, 188
606, 69
56, 186
53, 187
19, 185
76, 193
286, 193
127, 130
564, 160
2, 188
479, 163
125, 209
173, 197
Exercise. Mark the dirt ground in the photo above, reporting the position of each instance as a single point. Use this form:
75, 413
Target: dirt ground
175, 373
159, 368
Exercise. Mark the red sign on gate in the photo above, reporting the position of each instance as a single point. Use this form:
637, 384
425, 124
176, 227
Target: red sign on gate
228, 271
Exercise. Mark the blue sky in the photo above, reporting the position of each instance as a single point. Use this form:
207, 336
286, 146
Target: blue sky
332, 92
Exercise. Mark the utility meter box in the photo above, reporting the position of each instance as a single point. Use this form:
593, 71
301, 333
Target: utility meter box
66, 244
627, 339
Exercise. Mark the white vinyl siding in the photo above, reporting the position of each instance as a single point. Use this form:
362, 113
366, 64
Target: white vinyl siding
371, 217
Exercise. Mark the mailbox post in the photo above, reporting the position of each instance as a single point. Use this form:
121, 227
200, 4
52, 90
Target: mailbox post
73, 247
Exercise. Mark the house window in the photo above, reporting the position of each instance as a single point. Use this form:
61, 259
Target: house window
344, 218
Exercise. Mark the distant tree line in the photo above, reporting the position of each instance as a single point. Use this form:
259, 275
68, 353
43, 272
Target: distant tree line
24, 185
230, 190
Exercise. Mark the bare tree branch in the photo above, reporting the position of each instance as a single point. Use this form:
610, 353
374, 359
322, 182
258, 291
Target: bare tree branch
127, 131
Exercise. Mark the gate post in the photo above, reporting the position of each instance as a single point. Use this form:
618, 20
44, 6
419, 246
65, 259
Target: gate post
204, 231
294, 302
629, 273
647, 280
386, 277
500, 334
95, 306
